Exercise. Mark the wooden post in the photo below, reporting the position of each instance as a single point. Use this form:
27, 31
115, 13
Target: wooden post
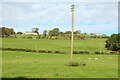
72, 33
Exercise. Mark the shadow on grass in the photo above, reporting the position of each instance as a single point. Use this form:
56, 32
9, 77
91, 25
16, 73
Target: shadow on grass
25, 78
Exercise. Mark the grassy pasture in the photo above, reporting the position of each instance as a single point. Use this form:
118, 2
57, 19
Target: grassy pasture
42, 65
36, 65
90, 45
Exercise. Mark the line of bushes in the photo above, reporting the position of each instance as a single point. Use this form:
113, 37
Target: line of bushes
56, 52
81, 52
96, 52
114, 52
31, 50
42, 51
100, 52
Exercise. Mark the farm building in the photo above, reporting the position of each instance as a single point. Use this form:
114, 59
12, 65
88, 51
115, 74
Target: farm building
30, 33
33, 32
97, 34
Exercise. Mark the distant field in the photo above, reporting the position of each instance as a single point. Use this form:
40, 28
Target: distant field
22, 64
91, 45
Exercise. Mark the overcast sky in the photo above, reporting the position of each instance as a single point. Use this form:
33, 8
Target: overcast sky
90, 17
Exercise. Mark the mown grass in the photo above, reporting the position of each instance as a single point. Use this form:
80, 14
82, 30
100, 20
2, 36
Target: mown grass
90, 45
40, 65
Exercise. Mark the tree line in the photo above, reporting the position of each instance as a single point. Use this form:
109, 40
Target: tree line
50, 34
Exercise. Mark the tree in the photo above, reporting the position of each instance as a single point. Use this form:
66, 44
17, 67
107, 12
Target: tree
50, 33
54, 32
19, 33
113, 43
0, 32
35, 30
68, 32
77, 32
12, 31
61, 34
6, 31
45, 33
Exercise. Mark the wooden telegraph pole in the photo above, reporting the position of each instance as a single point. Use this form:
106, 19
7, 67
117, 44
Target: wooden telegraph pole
72, 9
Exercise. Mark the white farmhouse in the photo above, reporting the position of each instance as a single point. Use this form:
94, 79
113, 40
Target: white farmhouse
30, 33
97, 34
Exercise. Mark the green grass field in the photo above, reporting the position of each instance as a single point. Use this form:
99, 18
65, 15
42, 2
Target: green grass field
90, 45
44, 65
22, 64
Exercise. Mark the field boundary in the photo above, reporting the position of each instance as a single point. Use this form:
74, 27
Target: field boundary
56, 52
